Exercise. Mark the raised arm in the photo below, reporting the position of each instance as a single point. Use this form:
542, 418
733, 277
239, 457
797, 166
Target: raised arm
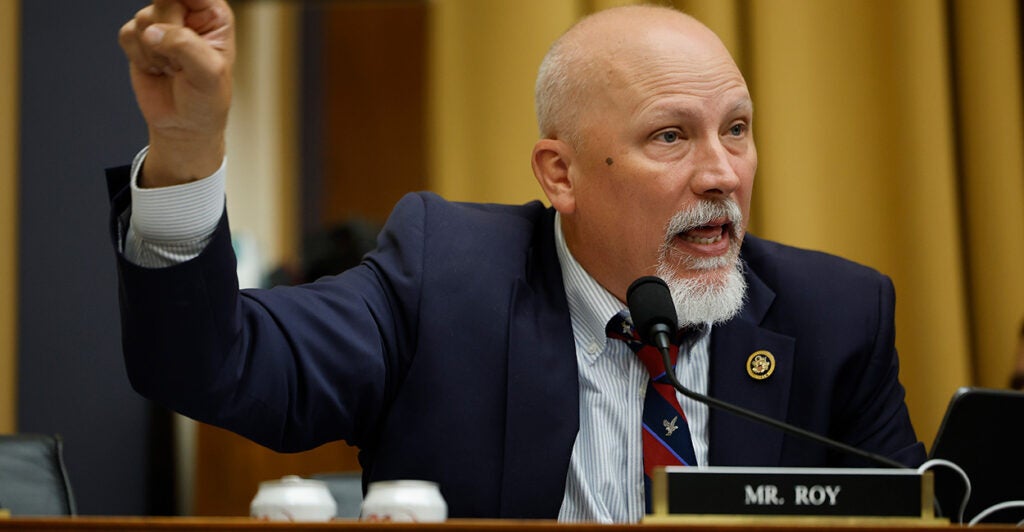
181, 53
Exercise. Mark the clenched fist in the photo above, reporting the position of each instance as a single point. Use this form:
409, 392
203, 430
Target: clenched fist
180, 54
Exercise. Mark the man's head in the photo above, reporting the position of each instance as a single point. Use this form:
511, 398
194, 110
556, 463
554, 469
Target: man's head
647, 153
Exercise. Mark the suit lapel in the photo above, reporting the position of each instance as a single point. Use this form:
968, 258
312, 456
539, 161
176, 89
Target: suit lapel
734, 440
542, 413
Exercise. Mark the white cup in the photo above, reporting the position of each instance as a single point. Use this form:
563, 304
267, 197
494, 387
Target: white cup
293, 499
404, 501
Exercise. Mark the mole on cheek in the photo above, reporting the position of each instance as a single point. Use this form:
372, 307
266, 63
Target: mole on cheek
609, 161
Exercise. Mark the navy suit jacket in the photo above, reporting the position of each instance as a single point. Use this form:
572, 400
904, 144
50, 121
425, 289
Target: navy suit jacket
448, 355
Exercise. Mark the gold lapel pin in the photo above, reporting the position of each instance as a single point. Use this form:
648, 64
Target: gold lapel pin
760, 365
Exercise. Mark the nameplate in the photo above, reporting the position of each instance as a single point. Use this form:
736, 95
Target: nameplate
792, 492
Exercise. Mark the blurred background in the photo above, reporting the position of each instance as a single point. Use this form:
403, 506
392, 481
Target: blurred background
889, 132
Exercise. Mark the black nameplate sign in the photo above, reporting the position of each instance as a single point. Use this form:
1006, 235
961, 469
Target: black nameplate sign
792, 491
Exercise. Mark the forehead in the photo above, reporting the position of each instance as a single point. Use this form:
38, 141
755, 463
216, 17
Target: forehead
678, 96
673, 85
677, 58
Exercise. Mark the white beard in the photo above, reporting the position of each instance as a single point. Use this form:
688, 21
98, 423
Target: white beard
711, 295
699, 301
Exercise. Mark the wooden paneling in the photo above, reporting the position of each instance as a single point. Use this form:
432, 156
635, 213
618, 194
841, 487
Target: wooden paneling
229, 469
374, 68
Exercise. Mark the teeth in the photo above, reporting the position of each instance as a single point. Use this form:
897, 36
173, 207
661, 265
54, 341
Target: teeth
699, 240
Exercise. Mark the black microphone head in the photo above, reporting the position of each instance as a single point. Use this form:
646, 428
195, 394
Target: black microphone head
650, 304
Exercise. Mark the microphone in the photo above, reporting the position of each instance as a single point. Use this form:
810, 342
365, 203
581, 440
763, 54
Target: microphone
653, 312
654, 315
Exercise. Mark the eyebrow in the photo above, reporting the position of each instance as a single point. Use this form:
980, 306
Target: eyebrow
743, 105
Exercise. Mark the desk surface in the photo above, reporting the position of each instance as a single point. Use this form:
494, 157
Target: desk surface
460, 525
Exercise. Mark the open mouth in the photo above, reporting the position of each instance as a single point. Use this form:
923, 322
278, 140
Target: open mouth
712, 232
705, 234
708, 231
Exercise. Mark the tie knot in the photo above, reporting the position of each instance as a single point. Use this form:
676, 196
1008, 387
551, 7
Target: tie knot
620, 327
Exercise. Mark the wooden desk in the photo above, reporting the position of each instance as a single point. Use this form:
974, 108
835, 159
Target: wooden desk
242, 524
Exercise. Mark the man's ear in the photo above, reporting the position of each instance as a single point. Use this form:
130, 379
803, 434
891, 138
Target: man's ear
552, 161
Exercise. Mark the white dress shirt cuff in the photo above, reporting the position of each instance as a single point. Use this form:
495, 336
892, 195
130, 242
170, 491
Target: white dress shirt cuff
179, 213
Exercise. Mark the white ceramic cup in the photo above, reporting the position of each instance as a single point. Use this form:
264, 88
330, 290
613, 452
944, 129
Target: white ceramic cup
293, 499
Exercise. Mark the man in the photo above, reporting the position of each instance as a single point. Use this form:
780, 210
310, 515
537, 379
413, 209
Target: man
448, 355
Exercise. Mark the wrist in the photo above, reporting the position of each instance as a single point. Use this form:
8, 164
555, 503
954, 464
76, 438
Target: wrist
173, 162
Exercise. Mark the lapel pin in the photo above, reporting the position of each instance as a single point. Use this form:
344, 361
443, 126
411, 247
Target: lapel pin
760, 365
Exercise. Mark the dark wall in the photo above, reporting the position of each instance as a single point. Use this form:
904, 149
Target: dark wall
78, 116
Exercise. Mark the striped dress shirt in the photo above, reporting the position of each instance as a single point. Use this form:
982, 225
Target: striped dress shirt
606, 480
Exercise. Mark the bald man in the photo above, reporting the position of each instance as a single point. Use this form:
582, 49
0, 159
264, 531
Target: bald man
470, 348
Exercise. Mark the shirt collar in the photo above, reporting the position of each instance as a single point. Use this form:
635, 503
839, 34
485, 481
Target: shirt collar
590, 304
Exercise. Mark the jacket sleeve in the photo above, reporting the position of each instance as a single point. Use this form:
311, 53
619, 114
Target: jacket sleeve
290, 368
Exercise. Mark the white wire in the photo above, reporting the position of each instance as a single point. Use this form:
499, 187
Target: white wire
995, 508
963, 475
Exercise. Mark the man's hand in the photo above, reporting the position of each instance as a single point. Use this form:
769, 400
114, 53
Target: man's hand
180, 54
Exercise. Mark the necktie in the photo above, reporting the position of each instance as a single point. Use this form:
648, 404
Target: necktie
665, 432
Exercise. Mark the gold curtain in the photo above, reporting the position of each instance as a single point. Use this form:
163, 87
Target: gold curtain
483, 61
10, 40
889, 132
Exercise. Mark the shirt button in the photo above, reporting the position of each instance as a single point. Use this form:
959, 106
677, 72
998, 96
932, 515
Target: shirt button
593, 348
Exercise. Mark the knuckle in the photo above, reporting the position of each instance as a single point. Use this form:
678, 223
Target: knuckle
174, 39
219, 68
144, 15
126, 34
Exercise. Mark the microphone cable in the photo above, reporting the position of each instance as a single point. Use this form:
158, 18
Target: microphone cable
760, 418
654, 315
963, 476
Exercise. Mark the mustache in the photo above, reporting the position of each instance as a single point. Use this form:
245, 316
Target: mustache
703, 213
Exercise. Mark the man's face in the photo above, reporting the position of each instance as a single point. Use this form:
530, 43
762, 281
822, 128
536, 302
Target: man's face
670, 131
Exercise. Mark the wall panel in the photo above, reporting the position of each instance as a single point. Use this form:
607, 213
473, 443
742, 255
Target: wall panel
78, 116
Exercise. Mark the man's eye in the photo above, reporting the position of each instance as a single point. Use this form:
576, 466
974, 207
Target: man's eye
737, 129
669, 136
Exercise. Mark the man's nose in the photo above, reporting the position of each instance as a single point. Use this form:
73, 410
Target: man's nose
713, 175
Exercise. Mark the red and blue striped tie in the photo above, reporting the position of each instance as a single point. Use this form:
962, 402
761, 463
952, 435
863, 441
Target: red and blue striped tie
665, 432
